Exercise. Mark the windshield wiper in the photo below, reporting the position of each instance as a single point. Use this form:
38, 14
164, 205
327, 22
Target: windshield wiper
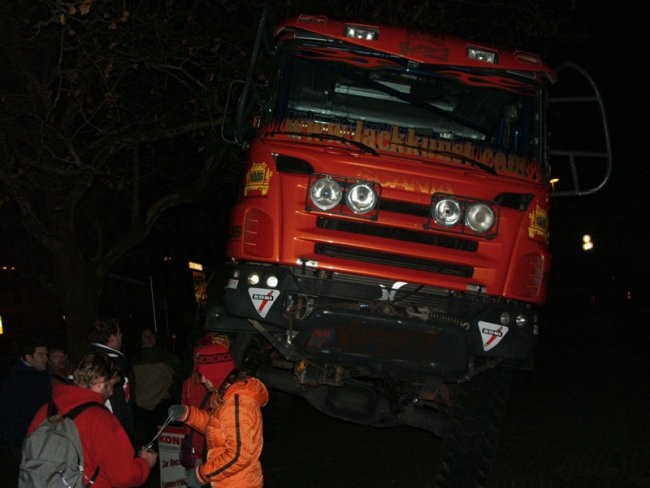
323, 136
466, 159
460, 157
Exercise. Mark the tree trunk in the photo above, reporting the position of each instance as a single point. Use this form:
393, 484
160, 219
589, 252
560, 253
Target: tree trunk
77, 288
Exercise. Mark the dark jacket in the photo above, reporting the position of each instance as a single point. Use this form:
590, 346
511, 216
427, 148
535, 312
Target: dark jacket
104, 442
156, 375
23, 392
122, 401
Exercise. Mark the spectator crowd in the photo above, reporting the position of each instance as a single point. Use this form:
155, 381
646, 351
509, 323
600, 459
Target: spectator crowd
218, 405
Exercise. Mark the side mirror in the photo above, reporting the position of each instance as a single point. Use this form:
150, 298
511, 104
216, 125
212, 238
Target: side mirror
243, 96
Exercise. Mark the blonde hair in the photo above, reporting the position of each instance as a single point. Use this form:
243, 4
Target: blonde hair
94, 368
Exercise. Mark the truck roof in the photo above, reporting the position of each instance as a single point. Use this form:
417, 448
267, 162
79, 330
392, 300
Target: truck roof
416, 46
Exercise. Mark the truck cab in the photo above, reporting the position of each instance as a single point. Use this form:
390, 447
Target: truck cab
388, 250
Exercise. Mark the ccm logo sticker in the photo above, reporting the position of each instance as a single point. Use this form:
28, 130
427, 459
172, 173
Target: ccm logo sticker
491, 334
263, 299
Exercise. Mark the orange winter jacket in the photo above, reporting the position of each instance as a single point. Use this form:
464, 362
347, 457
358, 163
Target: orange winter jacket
233, 435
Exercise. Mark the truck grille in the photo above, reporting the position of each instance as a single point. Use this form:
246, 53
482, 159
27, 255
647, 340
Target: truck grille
392, 259
402, 235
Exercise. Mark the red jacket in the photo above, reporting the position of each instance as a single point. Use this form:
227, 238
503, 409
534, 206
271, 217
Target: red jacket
234, 436
103, 439
194, 393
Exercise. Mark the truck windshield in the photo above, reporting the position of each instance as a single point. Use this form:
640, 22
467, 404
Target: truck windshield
391, 105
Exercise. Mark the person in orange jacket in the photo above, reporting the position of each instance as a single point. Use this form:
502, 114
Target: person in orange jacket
233, 430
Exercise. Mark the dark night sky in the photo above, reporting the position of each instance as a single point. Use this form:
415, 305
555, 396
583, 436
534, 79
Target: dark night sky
617, 58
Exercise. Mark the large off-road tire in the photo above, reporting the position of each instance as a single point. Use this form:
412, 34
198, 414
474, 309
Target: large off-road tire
475, 419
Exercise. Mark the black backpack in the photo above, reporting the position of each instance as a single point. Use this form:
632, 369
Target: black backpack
52, 454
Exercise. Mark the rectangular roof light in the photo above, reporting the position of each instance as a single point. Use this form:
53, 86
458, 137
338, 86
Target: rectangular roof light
483, 55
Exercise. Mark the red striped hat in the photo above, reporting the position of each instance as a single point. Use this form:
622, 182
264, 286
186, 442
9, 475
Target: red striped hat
213, 360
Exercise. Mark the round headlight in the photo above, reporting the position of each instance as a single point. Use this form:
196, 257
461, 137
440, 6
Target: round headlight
521, 320
479, 217
361, 197
504, 319
272, 281
325, 193
446, 212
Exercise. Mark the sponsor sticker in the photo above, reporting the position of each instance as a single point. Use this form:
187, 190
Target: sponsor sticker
538, 223
491, 334
263, 299
258, 179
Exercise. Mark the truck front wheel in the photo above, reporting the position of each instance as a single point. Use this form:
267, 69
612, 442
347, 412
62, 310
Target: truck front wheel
470, 443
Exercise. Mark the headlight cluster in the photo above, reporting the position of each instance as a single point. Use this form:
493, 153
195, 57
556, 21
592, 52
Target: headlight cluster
254, 278
450, 211
520, 319
342, 194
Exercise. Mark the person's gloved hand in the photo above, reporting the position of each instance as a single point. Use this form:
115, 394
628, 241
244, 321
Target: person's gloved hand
175, 412
190, 479
149, 456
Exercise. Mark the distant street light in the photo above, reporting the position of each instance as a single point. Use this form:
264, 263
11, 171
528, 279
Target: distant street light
587, 243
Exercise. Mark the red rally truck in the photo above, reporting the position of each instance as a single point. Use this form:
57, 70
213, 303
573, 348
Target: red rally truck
388, 250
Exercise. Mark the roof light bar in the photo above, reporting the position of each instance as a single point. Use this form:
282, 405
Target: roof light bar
356, 32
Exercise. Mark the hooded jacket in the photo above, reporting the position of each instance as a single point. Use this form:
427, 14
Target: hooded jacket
234, 436
103, 439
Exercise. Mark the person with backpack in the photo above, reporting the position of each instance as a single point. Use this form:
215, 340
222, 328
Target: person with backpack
109, 459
